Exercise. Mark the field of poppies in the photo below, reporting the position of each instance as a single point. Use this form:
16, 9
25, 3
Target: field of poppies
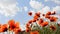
38, 25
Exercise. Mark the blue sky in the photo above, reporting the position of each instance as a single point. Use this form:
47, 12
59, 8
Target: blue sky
24, 7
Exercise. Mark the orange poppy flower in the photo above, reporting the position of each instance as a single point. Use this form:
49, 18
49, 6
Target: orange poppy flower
28, 29
0, 25
49, 13
17, 25
34, 32
37, 14
17, 31
44, 24
30, 13
43, 14
13, 25
53, 19
34, 20
11, 22
36, 17
53, 28
30, 21
47, 16
27, 25
4, 27
40, 21
0, 28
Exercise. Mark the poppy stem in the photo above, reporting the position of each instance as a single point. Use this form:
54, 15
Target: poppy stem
12, 32
3, 32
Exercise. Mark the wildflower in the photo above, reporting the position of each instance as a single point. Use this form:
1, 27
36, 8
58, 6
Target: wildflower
17, 25
17, 31
4, 27
28, 29
49, 13
47, 16
43, 14
34, 32
44, 24
13, 25
40, 21
37, 14
30, 21
27, 25
34, 20
53, 19
30, 13
36, 17
11, 22
53, 28
0, 28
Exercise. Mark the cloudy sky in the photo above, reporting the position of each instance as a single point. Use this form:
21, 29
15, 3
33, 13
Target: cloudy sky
18, 9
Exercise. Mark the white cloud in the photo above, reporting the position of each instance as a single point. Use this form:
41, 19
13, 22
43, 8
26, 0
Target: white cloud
56, 1
45, 9
25, 8
8, 7
46, 0
22, 27
57, 9
35, 4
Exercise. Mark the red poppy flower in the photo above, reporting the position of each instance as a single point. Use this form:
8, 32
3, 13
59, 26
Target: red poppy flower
34, 20
34, 32
53, 28
4, 27
40, 21
36, 17
17, 31
37, 14
11, 22
43, 14
47, 16
28, 29
17, 25
0, 28
44, 24
27, 25
0, 25
49, 13
13, 25
53, 19
30, 21
30, 13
